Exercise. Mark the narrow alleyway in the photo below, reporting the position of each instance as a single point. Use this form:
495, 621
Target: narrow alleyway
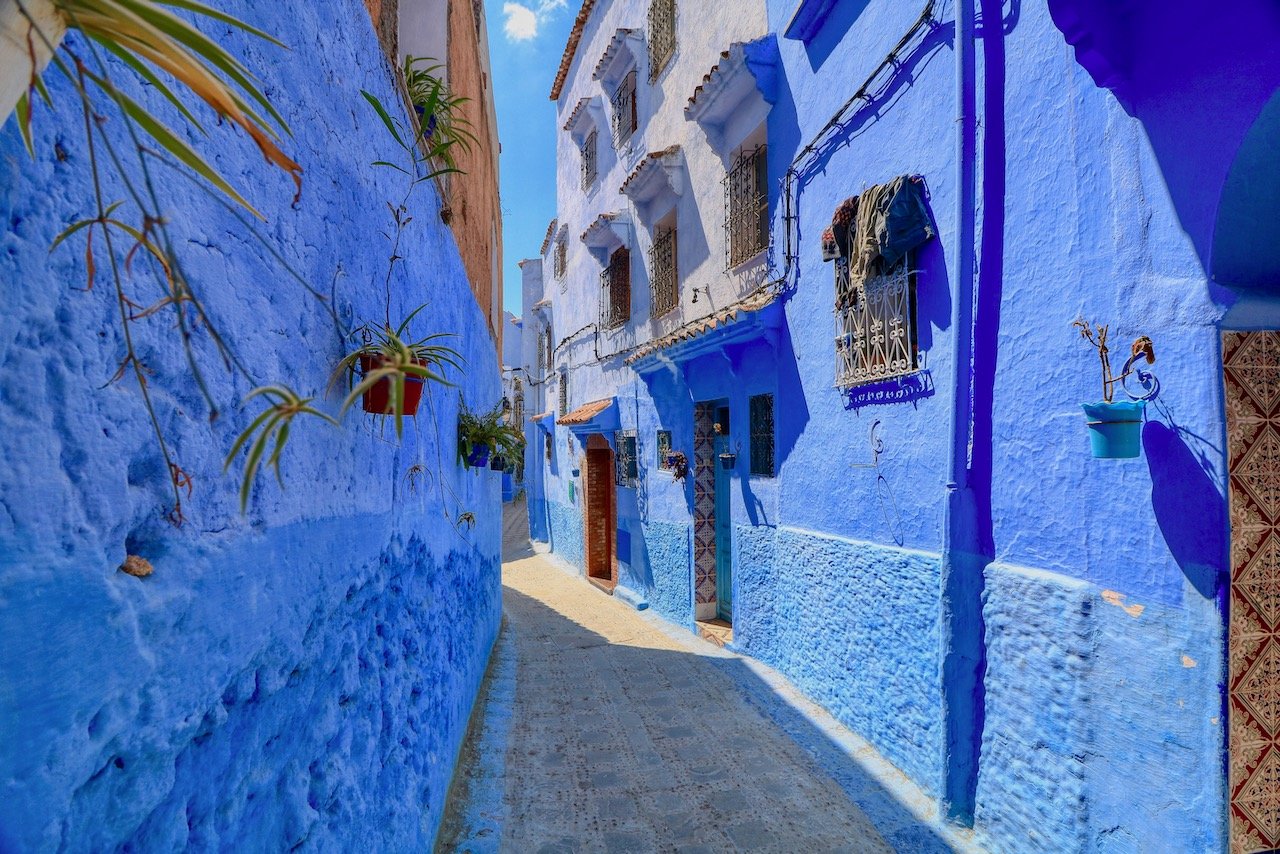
605, 730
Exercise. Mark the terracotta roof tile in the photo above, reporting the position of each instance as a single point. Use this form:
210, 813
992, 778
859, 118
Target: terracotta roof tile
702, 325
586, 412
610, 51
546, 241
571, 48
647, 162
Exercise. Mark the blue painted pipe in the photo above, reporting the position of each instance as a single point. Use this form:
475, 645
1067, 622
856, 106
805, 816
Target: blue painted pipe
960, 627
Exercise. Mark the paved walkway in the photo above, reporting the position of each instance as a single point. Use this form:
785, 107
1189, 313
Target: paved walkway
607, 730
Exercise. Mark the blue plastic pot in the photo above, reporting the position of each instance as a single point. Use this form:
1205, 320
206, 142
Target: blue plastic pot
1115, 429
479, 456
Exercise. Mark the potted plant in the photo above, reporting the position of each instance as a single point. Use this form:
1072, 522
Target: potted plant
482, 438
1115, 427
678, 463
393, 367
728, 459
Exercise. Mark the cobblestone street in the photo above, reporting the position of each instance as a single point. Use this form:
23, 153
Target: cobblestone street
605, 729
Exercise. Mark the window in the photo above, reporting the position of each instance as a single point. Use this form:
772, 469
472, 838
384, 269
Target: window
615, 290
564, 392
627, 466
625, 118
547, 436
762, 435
589, 160
545, 348
664, 448
662, 35
664, 275
518, 409
560, 263
747, 206
875, 325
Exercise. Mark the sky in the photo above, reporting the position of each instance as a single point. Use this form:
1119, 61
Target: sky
526, 41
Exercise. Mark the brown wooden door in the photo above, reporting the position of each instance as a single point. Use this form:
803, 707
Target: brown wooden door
599, 510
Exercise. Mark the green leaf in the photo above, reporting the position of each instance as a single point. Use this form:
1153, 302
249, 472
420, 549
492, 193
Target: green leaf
382, 114
170, 142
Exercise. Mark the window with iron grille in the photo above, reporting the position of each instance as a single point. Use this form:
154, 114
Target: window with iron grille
564, 393
615, 290
548, 444
548, 348
664, 448
589, 161
560, 263
664, 276
662, 35
762, 435
518, 409
625, 118
875, 325
627, 465
747, 206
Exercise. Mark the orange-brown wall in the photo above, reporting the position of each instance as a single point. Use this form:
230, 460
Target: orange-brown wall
477, 213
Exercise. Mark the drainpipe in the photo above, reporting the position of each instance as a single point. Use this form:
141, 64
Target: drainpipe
960, 613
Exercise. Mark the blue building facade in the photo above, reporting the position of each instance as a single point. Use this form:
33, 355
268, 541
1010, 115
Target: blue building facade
300, 676
1066, 653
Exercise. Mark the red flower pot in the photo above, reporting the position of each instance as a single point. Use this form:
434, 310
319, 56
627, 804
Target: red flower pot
378, 398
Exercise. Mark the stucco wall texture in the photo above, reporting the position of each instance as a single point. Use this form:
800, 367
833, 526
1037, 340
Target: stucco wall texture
298, 676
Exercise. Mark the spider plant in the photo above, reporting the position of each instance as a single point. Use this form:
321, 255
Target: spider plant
391, 356
274, 422
147, 37
442, 126
488, 430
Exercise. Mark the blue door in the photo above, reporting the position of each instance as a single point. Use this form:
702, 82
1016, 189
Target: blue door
724, 537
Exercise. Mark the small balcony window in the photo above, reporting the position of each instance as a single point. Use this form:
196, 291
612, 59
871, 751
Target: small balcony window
560, 262
664, 273
627, 465
590, 161
875, 325
664, 448
615, 290
662, 35
625, 117
747, 206
761, 412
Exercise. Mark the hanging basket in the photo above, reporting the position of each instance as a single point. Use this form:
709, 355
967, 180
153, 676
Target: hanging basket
1115, 429
497, 463
377, 399
477, 457
728, 461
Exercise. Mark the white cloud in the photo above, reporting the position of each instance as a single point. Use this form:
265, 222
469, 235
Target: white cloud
523, 22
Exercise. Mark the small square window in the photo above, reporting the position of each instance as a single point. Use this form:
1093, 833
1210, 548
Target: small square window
664, 448
628, 467
762, 462
875, 325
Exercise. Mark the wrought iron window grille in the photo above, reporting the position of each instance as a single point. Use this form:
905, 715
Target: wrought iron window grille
664, 448
615, 290
746, 205
625, 118
548, 444
517, 413
762, 432
875, 325
664, 277
627, 464
590, 162
662, 35
564, 393
548, 350
560, 261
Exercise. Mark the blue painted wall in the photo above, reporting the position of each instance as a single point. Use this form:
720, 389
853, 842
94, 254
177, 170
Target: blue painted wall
301, 675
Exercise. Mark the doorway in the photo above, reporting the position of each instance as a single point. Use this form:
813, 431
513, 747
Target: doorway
599, 511
712, 538
1251, 381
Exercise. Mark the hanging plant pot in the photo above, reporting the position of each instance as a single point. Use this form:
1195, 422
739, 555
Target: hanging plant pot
497, 462
1115, 429
575, 472
728, 461
378, 398
477, 457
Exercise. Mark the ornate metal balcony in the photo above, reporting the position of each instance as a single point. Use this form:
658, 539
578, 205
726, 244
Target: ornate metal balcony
875, 325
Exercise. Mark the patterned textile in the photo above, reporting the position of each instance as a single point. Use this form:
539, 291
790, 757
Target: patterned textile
1251, 368
704, 504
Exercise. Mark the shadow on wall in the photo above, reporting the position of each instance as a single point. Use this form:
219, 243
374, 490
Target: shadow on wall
1197, 75
717, 678
833, 31
1189, 506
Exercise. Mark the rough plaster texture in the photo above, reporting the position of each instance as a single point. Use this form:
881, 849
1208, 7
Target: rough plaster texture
299, 675
873, 612
668, 554
566, 531
1083, 207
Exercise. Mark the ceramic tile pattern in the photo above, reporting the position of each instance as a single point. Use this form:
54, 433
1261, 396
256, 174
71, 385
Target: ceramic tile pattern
704, 505
1252, 390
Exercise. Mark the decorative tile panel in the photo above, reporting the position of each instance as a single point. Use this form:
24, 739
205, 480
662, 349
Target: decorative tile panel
1251, 376
704, 505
